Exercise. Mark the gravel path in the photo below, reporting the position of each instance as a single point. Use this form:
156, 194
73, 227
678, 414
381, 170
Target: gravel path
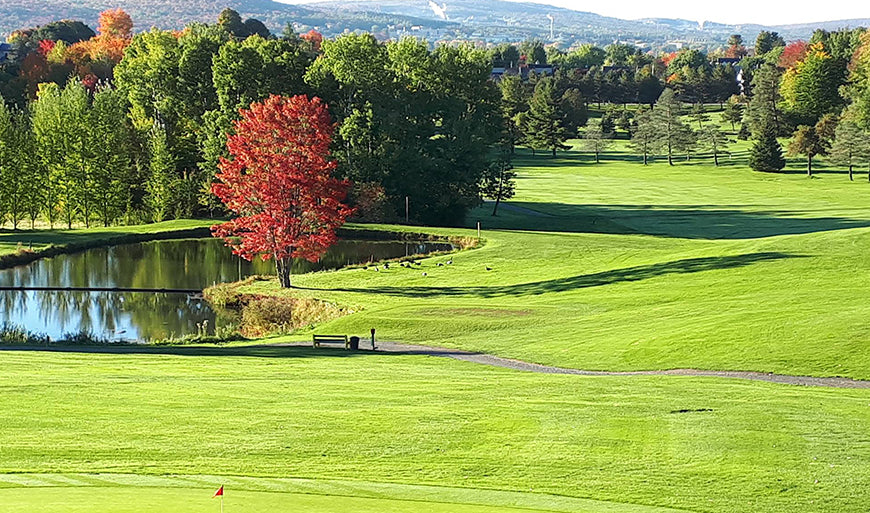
467, 356
497, 361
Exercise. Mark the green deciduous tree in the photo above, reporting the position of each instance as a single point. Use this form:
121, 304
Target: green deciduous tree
813, 140
811, 89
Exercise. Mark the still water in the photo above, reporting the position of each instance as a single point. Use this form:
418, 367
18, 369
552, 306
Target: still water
175, 264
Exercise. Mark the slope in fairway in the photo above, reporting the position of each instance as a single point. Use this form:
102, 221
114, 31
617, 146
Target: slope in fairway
152, 500
273, 413
629, 267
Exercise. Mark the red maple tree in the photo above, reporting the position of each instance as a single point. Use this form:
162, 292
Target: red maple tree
315, 38
793, 53
279, 183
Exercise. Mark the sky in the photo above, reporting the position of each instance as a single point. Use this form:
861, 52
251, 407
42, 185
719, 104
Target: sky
764, 12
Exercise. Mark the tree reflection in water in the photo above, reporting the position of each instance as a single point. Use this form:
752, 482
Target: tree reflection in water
181, 264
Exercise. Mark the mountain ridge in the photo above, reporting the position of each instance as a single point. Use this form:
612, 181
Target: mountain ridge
493, 21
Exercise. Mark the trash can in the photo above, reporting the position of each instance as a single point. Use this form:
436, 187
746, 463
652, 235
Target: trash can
354, 343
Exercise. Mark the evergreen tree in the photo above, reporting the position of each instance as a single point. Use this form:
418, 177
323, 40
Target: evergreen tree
851, 146
763, 111
733, 112
596, 139
714, 140
672, 135
645, 140
498, 181
545, 125
766, 153
699, 114
767, 41
514, 100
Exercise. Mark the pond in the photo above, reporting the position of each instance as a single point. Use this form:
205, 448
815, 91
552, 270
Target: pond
174, 264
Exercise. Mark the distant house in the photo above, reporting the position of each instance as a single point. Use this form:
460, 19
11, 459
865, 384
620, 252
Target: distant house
724, 61
524, 70
6, 52
547, 70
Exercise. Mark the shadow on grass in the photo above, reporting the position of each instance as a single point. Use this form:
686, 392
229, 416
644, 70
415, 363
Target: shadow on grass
629, 274
682, 221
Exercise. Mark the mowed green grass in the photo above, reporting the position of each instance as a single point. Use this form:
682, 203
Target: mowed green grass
159, 429
14, 240
630, 267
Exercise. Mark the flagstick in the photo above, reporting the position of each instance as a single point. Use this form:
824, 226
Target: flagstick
222, 503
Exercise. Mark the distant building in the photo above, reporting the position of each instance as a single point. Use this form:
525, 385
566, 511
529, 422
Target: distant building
6, 52
724, 61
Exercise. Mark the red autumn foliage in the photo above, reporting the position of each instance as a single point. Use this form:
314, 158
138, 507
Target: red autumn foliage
90, 82
736, 52
34, 69
115, 23
279, 183
46, 46
315, 38
668, 57
793, 53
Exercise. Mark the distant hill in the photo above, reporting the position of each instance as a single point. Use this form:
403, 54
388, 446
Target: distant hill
175, 14
489, 18
486, 20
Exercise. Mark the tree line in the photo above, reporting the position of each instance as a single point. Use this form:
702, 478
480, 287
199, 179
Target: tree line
414, 126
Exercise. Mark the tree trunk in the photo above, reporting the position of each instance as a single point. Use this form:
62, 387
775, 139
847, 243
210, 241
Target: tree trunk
283, 267
670, 159
850, 173
495, 208
554, 152
644, 159
715, 159
596, 157
809, 166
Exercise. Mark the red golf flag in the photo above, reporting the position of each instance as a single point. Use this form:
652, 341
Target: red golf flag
219, 492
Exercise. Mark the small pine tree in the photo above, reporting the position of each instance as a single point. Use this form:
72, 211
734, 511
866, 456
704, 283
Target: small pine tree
597, 139
851, 146
733, 112
644, 140
714, 140
766, 153
498, 181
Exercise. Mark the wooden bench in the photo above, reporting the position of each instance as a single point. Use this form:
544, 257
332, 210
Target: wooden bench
331, 338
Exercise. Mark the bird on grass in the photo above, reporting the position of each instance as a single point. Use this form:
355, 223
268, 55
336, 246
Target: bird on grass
386, 265
425, 274
488, 268
450, 262
440, 264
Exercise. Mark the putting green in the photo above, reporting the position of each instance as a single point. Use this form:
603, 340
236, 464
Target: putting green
126, 493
